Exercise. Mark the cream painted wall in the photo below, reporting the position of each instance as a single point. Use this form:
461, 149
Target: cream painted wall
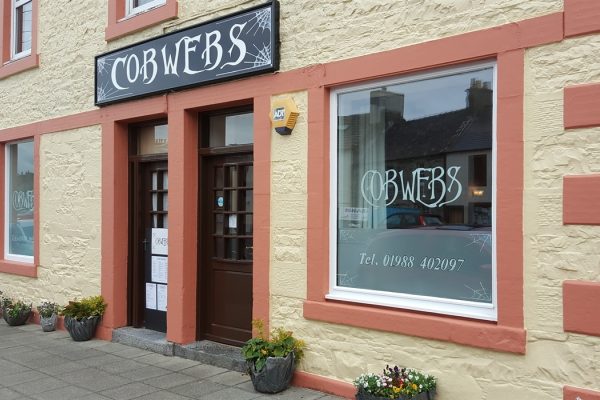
70, 220
553, 253
71, 33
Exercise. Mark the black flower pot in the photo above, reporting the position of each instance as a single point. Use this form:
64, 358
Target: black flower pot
19, 319
421, 396
275, 376
83, 330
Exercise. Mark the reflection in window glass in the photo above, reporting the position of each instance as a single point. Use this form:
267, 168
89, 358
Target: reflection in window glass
19, 199
231, 129
22, 25
409, 220
136, 6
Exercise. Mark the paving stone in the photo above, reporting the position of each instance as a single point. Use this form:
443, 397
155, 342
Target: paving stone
93, 379
177, 364
95, 396
81, 354
21, 377
230, 378
152, 359
62, 367
170, 380
123, 365
202, 371
129, 391
39, 386
10, 368
9, 394
145, 372
101, 360
294, 393
197, 390
163, 395
230, 393
64, 393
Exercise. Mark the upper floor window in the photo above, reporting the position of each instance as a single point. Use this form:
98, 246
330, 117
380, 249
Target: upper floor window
412, 197
22, 23
138, 6
19, 204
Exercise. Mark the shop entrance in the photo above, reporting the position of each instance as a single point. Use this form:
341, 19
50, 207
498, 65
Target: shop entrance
149, 229
225, 234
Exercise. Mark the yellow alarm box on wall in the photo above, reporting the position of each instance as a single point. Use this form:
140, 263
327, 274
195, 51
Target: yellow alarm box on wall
284, 115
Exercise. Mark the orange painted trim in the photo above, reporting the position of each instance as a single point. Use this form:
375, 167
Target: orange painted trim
10, 67
115, 223
119, 26
19, 268
262, 210
508, 334
463, 48
581, 17
36, 201
580, 307
579, 191
183, 226
484, 335
573, 393
327, 385
582, 105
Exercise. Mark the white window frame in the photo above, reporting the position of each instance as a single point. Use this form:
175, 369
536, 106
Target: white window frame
400, 300
7, 205
130, 10
13, 31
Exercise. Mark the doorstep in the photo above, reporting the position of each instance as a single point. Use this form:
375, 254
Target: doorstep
207, 352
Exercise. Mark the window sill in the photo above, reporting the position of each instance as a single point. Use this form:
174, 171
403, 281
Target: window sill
19, 65
486, 335
18, 268
137, 22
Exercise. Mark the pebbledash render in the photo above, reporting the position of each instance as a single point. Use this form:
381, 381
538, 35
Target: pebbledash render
434, 206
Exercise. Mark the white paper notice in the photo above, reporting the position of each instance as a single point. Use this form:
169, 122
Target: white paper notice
161, 298
160, 241
160, 269
151, 296
233, 221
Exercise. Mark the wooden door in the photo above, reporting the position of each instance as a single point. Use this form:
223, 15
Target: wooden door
149, 264
225, 262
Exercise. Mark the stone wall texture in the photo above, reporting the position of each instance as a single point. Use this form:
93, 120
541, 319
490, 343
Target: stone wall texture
70, 220
314, 32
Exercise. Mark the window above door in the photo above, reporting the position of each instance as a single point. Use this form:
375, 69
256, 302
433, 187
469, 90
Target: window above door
129, 16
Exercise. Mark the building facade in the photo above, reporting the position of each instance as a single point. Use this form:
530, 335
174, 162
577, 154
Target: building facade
428, 209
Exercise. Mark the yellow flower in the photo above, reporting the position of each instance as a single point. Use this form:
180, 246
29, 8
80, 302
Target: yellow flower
396, 389
414, 386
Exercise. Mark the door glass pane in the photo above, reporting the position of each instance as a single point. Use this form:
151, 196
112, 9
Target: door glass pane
219, 200
248, 250
231, 249
232, 203
246, 199
154, 180
165, 180
165, 221
219, 224
248, 224
220, 247
233, 129
246, 176
219, 177
154, 202
165, 205
155, 221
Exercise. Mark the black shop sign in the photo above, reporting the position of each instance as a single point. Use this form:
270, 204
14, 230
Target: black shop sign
237, 45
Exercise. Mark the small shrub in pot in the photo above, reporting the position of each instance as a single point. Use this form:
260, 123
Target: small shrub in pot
82, 317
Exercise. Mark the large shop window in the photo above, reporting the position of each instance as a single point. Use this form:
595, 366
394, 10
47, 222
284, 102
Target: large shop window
19, 227
413, 193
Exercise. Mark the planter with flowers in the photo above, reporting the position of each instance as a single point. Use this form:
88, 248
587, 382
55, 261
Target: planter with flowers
395, 383
82, 317
272, 359
48, 315
15, 312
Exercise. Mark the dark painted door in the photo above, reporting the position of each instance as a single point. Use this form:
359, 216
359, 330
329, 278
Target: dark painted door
150, 264
225, 264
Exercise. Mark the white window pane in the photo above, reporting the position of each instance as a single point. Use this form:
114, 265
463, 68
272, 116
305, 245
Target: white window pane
22, 28
409, 220
136, 6
19, 208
